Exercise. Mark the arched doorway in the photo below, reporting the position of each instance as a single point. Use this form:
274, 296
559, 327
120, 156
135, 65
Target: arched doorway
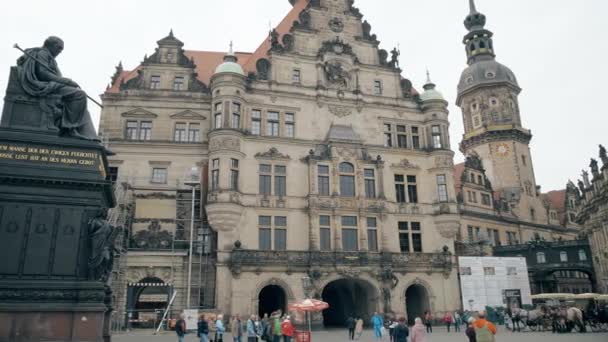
416, 302
146, 301
348, 297
271, 299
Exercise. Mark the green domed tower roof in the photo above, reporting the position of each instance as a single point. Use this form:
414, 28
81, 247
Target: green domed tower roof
230, 64
430, 93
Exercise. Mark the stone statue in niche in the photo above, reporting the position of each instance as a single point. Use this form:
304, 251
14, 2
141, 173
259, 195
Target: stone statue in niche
101, 253
335, 73
60, 98
263, 68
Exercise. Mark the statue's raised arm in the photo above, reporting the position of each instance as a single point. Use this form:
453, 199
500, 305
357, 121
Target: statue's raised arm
60, 97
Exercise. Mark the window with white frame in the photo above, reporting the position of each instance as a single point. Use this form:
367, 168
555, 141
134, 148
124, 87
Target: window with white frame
325, 232
540, 258
372, 234
436, 136
178, 83
401, 136
377, 87
290, 124
155, 82
131, 130
350, 236
442, 188
194, 132
256, 122
180, 133
145, 130
159, 175
272, 124
296, 76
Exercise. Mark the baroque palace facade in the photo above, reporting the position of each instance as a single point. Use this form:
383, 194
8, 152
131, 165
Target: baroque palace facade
322, 172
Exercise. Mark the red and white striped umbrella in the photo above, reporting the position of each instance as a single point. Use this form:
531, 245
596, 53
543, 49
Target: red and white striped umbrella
309, 305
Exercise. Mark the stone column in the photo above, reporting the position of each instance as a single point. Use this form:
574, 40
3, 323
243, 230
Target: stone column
313, 226
380, 169
363, 246
337, 226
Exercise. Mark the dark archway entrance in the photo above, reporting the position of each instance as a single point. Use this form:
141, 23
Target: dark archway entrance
146, 301
348, 297
271, 299
416, 302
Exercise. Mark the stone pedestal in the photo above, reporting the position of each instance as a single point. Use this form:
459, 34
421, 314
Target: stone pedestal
50, 189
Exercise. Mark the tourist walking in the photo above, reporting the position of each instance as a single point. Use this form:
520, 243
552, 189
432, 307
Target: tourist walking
212, 328
287, 329
470, 332
392, 324
350, 324
428, 322
252, 331
180, 328
401, 331
202, 330
485, 331
359, 328
236, 328
418, 331
219, 329
377, 323
447, 320
457, 321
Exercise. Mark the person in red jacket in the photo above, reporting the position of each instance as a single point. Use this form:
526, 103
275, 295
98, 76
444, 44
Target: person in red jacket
287, 330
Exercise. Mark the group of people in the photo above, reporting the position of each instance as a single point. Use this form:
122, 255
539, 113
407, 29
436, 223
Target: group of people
212, 328
479, 329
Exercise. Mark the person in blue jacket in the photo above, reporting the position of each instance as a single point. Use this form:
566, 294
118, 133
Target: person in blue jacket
377, 323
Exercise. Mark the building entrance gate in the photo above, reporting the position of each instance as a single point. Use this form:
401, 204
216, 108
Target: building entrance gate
346, 298
416, 302
271, 299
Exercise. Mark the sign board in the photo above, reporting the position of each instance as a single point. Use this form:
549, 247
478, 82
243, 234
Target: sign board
153, 298
191, 319
494, 282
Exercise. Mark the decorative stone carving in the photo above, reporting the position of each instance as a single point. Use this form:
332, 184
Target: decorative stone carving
336, 74
155, 195
303, 22
139, 113
336, 25
444, 162
288, 42
225, 143
338, 47
273, 153
595, 171
348, 272
394, 63
448, 231
406, 88
102, 238
340, 111
383, 57
153, 237
603, 156
405, 164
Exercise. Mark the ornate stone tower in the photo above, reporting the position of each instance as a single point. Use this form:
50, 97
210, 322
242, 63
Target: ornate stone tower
488, 96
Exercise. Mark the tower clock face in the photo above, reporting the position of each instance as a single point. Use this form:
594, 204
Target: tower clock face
502, 149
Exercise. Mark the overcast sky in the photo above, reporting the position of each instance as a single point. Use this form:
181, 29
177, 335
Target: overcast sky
557, 49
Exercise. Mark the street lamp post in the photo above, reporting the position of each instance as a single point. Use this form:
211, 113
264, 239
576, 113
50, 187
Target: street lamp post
192, 180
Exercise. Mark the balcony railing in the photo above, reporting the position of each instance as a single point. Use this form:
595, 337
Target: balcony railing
439, 262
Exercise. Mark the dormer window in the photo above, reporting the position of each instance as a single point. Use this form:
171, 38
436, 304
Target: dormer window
155, 82
295, 76
178, 83
490, 74
493, 102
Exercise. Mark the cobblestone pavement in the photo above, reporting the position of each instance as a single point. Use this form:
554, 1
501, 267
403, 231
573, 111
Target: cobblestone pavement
338, 335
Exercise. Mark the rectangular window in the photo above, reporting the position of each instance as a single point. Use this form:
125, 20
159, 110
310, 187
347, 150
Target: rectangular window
217, 116
563, 256
272, 124
236, 116
256, 122
131, 131
155, 82
194, 132
511, 238
485, 200
442, 188
347, 186
412, 189
180, 132
415, 138
582, 255
323, 180
234, 174
436, 136
470, 234
215, 174
295, 76
178, 83
159, 176
404, 237
280, 181
377, 87
325, 233
416, 237
401, 136
349, 233
372, 234
388, 135
113, 174
265, 233
265, 180
540, 258
400, 189
290, 125
370, 183
280, 233
145, 130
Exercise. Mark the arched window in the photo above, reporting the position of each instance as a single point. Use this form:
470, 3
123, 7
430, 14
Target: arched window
540, 258
347, 180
